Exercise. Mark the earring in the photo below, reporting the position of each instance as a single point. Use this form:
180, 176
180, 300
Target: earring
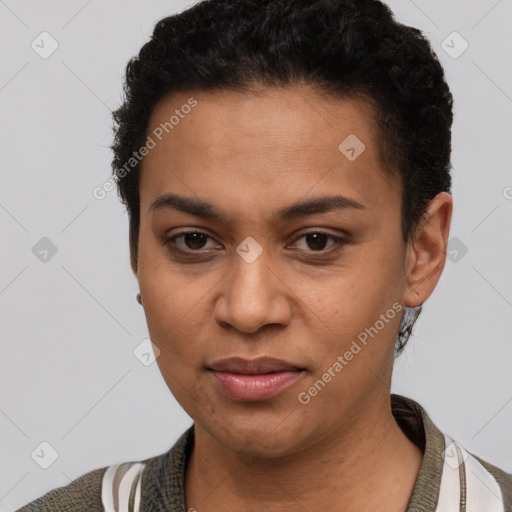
139, 299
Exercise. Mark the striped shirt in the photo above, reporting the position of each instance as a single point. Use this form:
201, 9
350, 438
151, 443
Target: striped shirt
449, 480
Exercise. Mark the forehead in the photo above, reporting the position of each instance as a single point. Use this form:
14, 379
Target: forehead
263, 147
297, 117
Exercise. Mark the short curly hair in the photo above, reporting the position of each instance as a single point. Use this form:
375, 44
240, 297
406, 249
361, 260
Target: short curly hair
344, 48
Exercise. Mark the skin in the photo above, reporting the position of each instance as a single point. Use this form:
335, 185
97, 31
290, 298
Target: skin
250, 155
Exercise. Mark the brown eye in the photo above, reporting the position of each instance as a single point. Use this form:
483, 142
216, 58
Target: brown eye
191, 241
194, 243
194, 240
316, 241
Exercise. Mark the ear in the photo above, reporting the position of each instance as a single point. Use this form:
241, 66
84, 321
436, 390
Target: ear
426, 251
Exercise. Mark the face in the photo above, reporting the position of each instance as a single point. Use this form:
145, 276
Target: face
276, 243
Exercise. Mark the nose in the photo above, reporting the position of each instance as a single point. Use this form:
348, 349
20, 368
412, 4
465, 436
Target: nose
253, 295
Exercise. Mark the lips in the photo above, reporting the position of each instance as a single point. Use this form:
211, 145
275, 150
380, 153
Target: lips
252, 380
253, 367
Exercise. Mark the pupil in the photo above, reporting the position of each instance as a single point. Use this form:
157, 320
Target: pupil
316, 237
195, 240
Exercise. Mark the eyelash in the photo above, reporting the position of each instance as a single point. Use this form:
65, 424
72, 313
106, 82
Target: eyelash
340, 242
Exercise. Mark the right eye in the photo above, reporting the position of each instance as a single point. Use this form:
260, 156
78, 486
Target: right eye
192, 241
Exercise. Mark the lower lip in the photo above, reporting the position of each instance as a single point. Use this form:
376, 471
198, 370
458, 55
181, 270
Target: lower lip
255, 387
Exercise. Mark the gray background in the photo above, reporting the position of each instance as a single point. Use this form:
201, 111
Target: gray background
69, 325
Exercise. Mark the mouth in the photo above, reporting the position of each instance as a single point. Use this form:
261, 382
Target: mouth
253, 380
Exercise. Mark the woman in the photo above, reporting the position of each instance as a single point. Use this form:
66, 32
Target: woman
286, 170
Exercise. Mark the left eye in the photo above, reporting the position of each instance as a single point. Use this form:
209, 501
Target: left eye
195, 241
318, 240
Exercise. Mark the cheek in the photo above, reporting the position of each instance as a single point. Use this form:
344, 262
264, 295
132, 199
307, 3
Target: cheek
350, 306
176, 313
171, 303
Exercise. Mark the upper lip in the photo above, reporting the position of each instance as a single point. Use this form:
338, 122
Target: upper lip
253, 366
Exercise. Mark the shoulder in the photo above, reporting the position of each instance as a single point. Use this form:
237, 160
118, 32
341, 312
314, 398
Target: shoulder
450, 477
106, 489
122, 486
503, 479
81, 495
481, 485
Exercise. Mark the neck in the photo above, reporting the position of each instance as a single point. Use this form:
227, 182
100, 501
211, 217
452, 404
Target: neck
369, 464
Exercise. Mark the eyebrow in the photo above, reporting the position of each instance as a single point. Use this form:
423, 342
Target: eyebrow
203, 209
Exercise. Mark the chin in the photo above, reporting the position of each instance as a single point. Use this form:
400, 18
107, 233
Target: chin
260, 444
254, 435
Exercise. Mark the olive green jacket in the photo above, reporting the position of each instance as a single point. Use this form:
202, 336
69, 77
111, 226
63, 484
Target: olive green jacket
449, 480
